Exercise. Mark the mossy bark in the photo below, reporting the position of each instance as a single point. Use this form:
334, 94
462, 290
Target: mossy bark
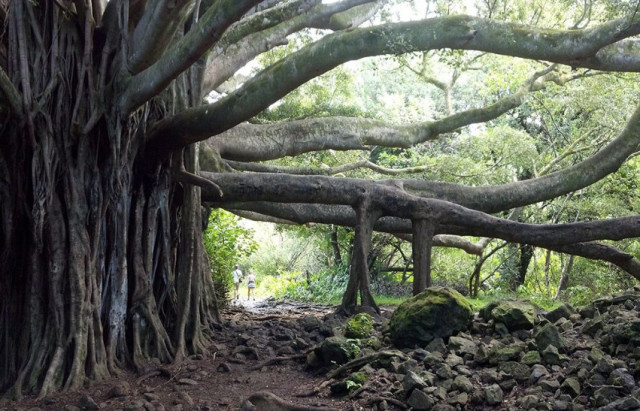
92, 230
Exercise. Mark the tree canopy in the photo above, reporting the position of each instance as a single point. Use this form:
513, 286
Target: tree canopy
121, 119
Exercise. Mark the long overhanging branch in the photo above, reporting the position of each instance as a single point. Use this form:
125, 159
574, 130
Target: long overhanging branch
141, 87
502, 197
439, 240
259, 142
392, 201
328, 171
243, 43
577, 48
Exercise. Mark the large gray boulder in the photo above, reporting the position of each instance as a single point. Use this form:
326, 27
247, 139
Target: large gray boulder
435, 312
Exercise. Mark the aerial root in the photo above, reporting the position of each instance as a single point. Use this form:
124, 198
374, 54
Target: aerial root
278, 360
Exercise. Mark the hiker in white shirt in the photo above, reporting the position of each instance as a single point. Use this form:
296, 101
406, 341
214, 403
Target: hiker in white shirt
237, 279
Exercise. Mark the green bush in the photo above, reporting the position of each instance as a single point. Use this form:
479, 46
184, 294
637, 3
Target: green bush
359, 326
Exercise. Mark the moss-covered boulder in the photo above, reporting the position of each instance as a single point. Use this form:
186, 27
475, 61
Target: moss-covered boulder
435, 312
514, 314
359, 326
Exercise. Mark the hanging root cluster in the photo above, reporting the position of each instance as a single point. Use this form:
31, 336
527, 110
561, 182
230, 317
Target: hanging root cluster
101, 264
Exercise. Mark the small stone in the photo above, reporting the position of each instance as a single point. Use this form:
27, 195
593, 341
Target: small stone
595, 355
528, 401
550, 385
187, 381
445, 372
453, 360
120, 389
149, 396
462, 346
508, 384
549, 335
517, 370
559, 405
88, 403
419, 400
605, 365
461, 398
605, 395
551, 356
537, 371
437, 345
620, 377
412, 381
463, 384
571, 386
531, 358
500, 354
493, 394
438, 392
432, 359
563, 311
136, 405
592, 327
224, 367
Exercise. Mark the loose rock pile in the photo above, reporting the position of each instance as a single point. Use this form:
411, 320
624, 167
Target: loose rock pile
512, 356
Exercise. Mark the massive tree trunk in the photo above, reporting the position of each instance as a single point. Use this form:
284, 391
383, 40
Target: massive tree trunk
101, 259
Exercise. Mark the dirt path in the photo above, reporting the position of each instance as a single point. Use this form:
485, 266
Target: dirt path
252, 333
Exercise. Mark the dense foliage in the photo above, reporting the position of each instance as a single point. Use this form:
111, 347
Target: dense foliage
227, 243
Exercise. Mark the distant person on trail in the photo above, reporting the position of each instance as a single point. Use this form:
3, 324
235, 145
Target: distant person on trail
237, 279
251, 284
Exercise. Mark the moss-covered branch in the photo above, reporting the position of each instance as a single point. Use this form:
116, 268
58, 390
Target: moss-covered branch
261, 33
573, 47
141, 87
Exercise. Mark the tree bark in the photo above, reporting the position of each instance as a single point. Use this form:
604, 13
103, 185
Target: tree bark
359, 283
564, 278
335, 246
422, 242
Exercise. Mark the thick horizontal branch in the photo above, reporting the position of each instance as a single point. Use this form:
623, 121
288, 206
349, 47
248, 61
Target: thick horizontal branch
501, 197
259, 142
328, 171
345, 216
391, 201
146, 84
506, 196
571, 47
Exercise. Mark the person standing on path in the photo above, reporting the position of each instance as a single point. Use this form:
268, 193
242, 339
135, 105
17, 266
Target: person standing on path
251, 284
237, 279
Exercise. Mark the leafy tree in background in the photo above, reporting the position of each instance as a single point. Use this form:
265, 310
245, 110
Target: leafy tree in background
104, 105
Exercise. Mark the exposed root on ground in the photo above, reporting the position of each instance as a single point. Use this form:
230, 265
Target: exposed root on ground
264, 400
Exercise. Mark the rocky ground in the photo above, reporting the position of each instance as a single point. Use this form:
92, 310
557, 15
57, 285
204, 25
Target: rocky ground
270, 356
